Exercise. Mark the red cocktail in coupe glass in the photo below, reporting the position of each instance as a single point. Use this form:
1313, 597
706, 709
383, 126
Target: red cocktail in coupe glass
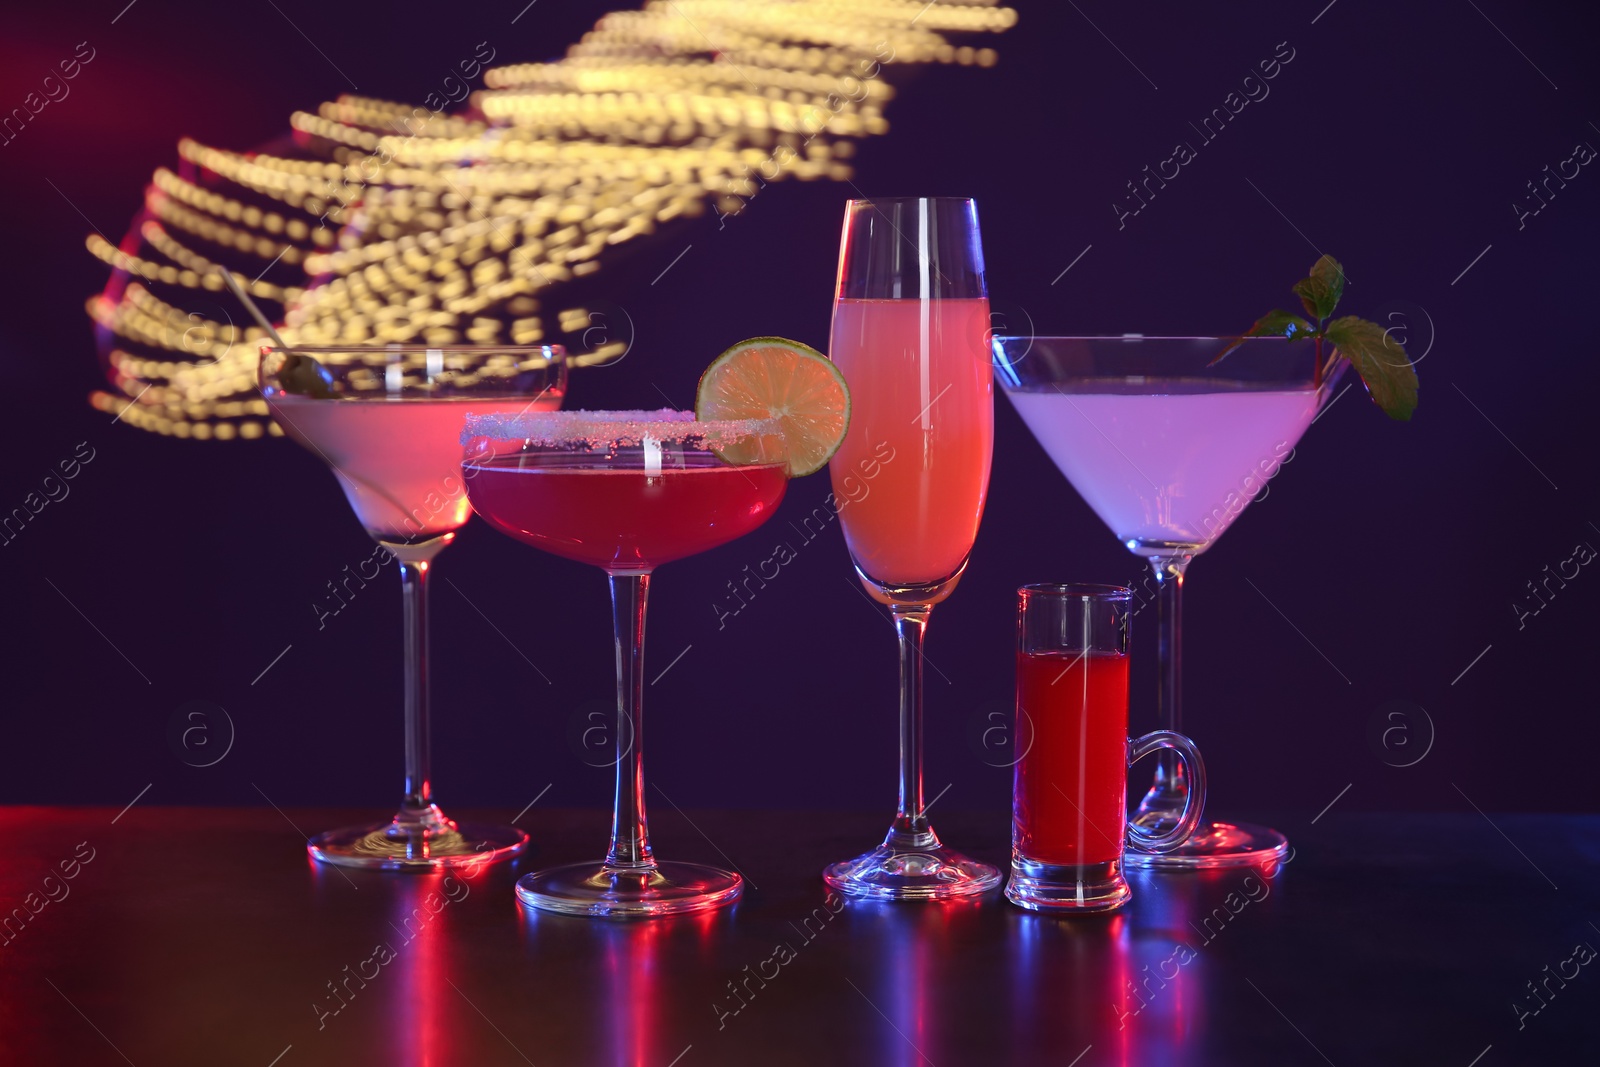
625, 491
387, 421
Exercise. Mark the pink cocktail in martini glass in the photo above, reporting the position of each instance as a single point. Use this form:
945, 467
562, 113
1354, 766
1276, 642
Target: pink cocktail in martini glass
387, 421
625, 491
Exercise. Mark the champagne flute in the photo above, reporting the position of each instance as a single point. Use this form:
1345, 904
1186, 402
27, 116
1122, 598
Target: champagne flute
910, 319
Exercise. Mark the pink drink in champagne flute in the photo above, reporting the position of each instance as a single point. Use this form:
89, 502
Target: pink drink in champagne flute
910, 326
920, 383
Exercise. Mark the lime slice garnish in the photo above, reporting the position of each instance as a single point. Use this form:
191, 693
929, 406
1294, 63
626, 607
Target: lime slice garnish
785, 381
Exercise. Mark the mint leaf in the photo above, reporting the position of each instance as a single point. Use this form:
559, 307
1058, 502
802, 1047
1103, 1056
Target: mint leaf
1275, 323
1320, 292
1381, 361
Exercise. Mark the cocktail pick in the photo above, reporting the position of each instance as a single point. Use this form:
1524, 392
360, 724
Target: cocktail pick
254, 308
300, 373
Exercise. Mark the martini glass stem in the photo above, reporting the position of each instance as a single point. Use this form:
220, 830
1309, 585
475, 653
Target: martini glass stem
416, 564
911, 828
630, 837
414, 596
1165, 798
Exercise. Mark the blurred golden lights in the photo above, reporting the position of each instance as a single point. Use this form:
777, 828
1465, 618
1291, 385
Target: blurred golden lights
387, 223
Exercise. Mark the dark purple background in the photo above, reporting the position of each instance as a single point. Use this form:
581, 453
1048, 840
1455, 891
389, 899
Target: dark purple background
1397, 140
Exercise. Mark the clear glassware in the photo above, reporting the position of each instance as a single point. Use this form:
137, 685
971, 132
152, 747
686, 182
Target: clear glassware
1168, 447
387, 421
910, 327
625, 491
1069, 826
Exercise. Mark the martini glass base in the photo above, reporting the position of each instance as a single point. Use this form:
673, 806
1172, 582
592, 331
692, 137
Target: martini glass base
1216, 844
427, 843
601, 891
936, 872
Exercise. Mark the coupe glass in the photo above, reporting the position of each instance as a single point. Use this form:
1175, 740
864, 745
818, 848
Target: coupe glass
387, 421
625, 491
910, 327
1168, 448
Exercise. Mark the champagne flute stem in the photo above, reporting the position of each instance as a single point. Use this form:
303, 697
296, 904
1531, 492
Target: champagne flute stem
630, 837
910, 627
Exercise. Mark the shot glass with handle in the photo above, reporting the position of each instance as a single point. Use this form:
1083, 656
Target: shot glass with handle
1069, 802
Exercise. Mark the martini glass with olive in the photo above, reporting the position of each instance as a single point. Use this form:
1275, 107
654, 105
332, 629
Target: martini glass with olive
387, 422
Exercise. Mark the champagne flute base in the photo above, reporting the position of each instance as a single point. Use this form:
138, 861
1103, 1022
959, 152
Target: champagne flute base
935, 872
598, 890
1217, 844
418, 844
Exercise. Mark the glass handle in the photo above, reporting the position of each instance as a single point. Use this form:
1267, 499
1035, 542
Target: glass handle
1194, 797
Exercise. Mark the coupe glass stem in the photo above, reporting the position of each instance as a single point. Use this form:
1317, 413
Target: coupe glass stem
630, 837
1166, 795
911, 828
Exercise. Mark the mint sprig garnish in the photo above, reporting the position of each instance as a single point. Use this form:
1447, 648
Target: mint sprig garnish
1378, 358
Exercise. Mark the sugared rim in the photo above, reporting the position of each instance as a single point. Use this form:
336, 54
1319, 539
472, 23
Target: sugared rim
619, 428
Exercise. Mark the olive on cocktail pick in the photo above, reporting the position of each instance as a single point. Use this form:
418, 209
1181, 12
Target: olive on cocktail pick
305, 375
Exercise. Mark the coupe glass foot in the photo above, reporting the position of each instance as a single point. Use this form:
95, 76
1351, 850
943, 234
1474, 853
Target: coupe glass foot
935, 872
1217, 844
598, 890
428, 842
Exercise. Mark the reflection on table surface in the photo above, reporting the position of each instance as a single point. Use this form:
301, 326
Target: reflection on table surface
1375, 944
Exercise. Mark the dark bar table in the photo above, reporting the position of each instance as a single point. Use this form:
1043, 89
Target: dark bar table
175, 936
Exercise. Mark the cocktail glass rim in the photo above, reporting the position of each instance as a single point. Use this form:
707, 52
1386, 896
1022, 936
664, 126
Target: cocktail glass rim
554, 354
1084, 590
1293, 379
634, 426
